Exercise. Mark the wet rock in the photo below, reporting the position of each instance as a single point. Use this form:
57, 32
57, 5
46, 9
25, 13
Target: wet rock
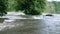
2, 20
48, 15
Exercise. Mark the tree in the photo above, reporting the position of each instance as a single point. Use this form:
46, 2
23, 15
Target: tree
11, 4
31, 7
2, 7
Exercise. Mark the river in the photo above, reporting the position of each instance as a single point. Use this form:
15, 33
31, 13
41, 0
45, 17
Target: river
18, 24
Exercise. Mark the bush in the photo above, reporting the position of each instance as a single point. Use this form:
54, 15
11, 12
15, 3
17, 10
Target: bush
2, 8
32, 7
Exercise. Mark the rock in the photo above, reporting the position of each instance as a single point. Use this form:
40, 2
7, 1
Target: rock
49, 15
2, 20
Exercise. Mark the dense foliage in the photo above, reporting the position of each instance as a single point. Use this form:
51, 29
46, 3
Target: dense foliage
11, 4
2, 7
32, 7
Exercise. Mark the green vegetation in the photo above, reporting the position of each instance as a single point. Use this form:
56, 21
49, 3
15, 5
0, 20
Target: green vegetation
49, 7
2, 7
31, 7
11, 4
57, 6
53, 7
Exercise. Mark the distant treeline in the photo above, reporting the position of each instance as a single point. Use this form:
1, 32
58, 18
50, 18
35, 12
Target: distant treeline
53, 7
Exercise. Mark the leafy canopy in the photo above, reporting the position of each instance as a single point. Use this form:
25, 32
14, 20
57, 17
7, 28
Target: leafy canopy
32, 7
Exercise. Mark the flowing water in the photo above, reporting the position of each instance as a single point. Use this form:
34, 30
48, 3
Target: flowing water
18, 24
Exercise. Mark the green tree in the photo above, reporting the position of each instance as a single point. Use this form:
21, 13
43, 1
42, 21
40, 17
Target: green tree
2, 7
31, 7
11, 4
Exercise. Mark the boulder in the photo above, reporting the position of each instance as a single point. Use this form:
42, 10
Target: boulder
49, 15
2, 20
